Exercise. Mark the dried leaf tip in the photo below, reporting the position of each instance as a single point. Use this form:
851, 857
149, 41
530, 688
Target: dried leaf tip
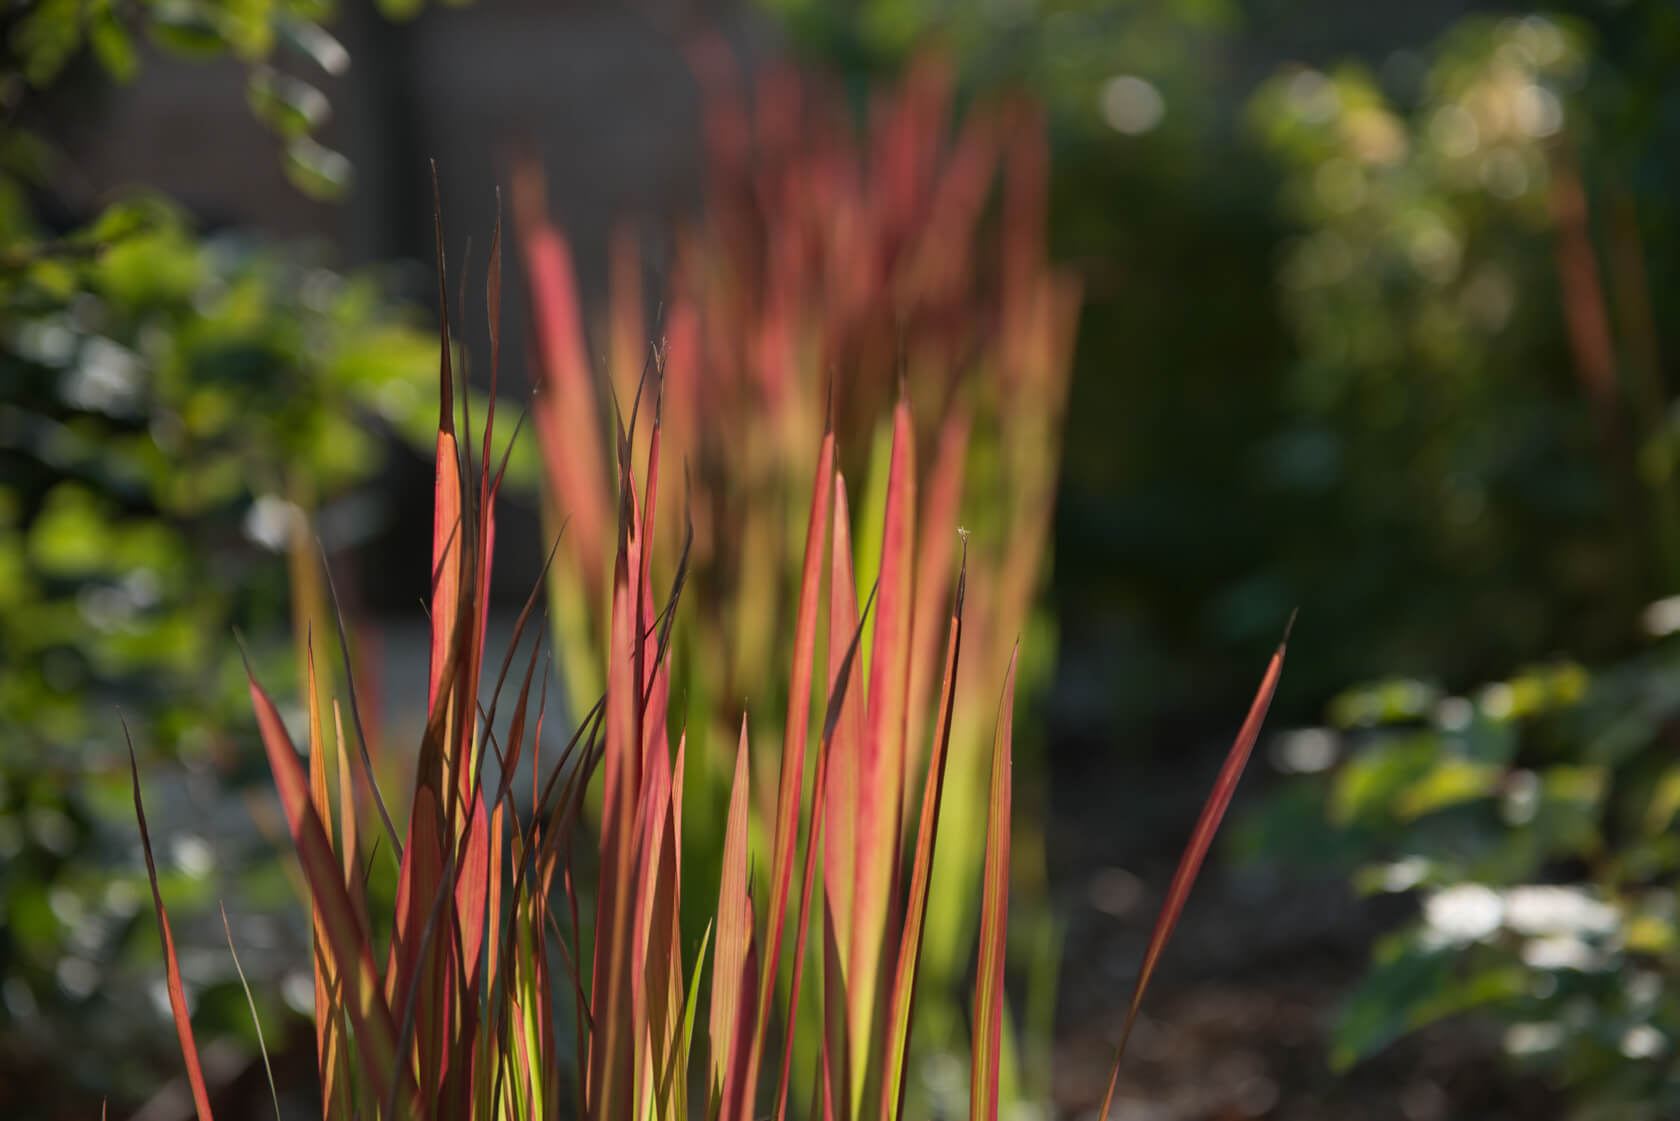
661, 353
446, 379
1288, 628
962, 574
653, 360
244, 656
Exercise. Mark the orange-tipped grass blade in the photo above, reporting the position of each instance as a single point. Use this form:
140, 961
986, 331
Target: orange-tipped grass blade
1201, 838
172, 966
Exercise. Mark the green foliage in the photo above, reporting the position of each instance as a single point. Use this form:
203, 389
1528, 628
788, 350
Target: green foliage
1533, 820
1469, 288
1064, 49
169, 403
1425, 292
264, 35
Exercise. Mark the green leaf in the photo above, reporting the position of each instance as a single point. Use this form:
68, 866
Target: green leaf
113, 45
400, 9
313, 40
1411, 988
1366, 788
187, 28
1452, 782
290, 106
69, 537
46, 39
316, 169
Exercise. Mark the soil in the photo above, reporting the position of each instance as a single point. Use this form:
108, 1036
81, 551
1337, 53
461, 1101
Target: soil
1237, 1021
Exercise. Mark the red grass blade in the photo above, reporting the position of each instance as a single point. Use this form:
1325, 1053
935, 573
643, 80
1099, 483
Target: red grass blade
665, 961
881, 768
565, 413
989, 1009
813, 844
839, 847
1213, 811
786, 836
841, 803
172, 966
611, 1044
649, 955
448, 528
375, 1032
940, 504
734, 917
738, 1074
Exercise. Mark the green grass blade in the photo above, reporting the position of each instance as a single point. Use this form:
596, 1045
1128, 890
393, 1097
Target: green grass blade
256, 1021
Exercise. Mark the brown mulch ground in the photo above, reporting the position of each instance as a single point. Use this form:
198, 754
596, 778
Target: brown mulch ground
1237, 1022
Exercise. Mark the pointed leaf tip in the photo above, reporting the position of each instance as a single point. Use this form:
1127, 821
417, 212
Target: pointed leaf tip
172, 966
446, 379
962, 575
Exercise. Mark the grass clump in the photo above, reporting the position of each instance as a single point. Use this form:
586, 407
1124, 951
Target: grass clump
535, 967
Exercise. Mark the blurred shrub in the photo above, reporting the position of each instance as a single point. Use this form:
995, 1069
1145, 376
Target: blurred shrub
1230, 453
1470, 290
48, 37
1434, 386
1464, 457
169, 405
1534, 821
285, 46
